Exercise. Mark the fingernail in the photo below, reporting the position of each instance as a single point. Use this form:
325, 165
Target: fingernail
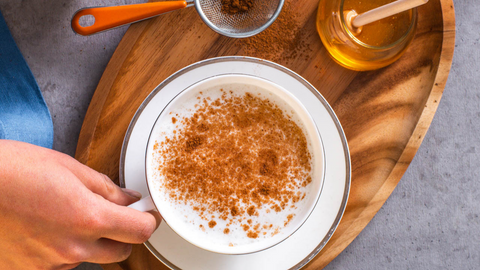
132, 193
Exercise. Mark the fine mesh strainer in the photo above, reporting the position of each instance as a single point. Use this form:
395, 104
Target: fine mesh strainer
239, 25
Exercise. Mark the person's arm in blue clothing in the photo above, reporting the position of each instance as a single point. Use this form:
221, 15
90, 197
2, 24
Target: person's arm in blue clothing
54, 211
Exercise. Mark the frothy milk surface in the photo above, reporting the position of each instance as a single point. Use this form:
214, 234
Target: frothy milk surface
204, 215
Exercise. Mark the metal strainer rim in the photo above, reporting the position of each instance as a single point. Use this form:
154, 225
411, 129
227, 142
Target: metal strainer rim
238, 35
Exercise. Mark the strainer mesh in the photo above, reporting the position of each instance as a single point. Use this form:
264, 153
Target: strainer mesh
257, 16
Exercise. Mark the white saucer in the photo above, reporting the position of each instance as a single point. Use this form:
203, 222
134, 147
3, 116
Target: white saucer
306, 242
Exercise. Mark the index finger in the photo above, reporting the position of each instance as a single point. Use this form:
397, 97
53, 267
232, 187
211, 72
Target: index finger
127, 225
99, 183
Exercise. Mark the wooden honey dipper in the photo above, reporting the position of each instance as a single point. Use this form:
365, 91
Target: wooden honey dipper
355, 21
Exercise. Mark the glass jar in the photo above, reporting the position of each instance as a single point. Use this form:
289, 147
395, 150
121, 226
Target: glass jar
350, 52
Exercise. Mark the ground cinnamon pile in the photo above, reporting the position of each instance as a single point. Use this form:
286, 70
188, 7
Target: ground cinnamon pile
234, 156
236, 6
282, 41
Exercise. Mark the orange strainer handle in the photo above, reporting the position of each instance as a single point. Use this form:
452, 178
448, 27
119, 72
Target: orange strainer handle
110, 17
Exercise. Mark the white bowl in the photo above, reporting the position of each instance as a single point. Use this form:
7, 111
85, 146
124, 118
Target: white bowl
282, 98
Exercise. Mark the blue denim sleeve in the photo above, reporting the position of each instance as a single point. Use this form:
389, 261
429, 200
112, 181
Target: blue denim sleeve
24, 115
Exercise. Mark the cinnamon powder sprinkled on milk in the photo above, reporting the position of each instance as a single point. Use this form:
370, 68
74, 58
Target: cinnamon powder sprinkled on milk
233, 156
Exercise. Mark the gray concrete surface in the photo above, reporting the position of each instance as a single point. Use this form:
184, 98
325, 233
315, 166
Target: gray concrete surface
431, 221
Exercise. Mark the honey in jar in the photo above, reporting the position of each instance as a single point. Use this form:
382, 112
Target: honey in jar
376, 45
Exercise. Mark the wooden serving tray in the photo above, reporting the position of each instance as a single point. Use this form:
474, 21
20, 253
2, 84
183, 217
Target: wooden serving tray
385, 113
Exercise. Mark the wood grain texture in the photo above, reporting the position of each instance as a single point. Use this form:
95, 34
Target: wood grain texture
385, 113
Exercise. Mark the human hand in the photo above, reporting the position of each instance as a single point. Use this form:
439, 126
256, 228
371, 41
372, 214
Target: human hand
56, 212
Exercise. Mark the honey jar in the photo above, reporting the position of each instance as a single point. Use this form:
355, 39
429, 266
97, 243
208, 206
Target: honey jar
375, 45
